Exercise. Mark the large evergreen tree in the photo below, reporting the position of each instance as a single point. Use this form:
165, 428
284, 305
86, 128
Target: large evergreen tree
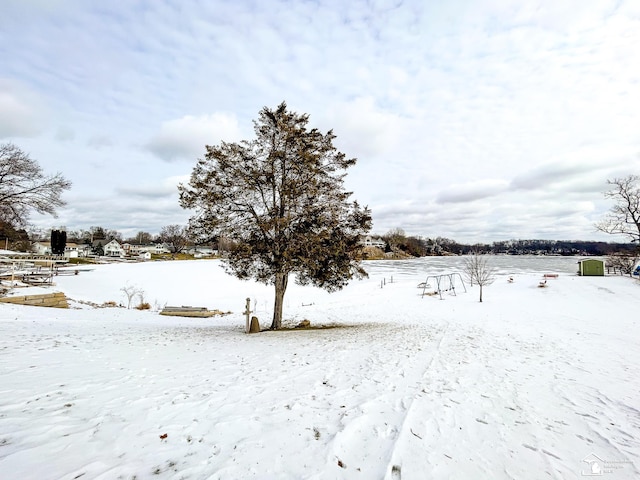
58, 241
279, 200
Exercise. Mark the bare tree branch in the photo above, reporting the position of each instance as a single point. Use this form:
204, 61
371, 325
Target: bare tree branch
175, 236
24, 187
624, 216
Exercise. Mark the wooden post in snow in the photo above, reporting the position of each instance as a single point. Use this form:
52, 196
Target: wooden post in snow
247, 313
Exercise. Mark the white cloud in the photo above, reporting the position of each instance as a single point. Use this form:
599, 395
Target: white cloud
65, 134
22, 113
186, 137
363, 128
472, 120
100, 141
166, 188
469, 192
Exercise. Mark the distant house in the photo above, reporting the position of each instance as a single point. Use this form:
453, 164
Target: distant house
144, 256
85, 250
202, 252
154, 248
591, 267
162, 248
113, 249
41, 248
71, 250
132, 250
373, 241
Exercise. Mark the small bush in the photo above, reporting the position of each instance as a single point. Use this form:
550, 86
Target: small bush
144, 306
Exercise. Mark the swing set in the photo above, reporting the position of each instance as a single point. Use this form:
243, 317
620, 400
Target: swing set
441, 283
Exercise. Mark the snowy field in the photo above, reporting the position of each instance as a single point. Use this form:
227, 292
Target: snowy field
533, 383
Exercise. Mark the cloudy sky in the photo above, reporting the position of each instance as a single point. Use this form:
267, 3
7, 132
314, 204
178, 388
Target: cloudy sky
477, 120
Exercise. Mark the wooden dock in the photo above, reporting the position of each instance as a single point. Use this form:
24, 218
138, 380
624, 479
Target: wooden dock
55, 299
188, 312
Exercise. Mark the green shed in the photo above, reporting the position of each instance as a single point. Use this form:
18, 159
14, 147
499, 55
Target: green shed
591, 267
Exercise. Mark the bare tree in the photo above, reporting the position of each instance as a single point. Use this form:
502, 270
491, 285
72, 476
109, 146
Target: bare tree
625, 262
624, 216
478, 270
13, 239
395, 237
175, 236
98, 233
140, 238
142, 304
23, 186
114, 235
131, 291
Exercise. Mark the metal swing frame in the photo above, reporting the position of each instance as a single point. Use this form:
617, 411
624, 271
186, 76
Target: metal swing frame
440, 281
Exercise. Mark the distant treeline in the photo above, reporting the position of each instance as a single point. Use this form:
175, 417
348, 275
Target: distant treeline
421, 247
394, 241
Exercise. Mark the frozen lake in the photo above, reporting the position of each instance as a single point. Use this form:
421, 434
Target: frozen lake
504, 265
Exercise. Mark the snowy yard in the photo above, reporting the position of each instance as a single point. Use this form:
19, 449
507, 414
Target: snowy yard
532, 383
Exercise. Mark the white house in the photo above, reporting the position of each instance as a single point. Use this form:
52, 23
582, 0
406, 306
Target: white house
144, 256
202, 252
84, 250
41, 248
155, 248
371, 241
162, 248
113, 249
71, 250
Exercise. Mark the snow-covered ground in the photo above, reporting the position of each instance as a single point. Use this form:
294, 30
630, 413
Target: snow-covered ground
532, 383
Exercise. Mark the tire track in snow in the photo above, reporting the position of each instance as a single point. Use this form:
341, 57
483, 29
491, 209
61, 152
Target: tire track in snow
394, 471
468, 397
486, 414
366, 442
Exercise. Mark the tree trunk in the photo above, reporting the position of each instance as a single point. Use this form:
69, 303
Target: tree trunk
281, 286
481, 293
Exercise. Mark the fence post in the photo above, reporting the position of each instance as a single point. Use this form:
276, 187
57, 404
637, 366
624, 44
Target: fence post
247, 312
